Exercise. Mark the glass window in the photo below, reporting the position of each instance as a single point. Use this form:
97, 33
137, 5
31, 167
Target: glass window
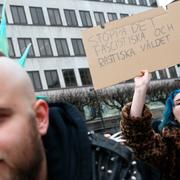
143, 2
78, 47
1, 6
173, 73
23, 43
86, 18
35, 77
132, 1
123, 15
44, 47
18, 15
154, 77
70, 17
62, 47
120, 1
85, 76
69, 77
54, 16
112, 16
153, 3
99, 17
11, 48
37, 16
163, 74
108, 0
52, 79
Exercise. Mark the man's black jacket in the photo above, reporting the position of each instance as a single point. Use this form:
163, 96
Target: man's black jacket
67, 145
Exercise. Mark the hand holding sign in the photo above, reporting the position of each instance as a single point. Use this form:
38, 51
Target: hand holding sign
118, 52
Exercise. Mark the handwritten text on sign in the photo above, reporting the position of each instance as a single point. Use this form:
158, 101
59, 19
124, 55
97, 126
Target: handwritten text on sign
115, 45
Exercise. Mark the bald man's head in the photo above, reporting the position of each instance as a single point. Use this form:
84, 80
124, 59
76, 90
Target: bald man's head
23, 121
13, 78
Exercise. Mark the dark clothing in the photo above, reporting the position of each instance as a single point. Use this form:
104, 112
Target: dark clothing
162, 151
67, 145
73, 155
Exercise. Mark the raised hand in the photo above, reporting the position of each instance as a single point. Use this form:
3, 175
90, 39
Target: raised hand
143, 80
141, 86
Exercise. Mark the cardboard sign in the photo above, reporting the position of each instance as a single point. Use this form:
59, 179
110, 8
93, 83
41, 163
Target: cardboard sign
149, 40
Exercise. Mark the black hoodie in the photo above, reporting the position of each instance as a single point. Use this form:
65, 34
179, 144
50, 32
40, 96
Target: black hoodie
67, 145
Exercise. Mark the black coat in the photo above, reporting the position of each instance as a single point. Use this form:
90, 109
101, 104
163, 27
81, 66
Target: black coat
67, 145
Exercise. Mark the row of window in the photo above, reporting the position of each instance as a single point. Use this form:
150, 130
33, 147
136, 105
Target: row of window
141, 2
163, 74
45, 47
52, 78
19, 16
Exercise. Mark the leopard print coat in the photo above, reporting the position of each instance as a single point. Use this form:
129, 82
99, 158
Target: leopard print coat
159, 150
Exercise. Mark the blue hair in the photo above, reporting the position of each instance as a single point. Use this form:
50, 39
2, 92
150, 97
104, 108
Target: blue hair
168, 116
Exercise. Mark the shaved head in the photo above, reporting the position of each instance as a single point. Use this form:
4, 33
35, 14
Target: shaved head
23, 121
14, 78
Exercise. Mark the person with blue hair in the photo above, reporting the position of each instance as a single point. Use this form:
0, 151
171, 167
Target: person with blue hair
169, 118
160, 150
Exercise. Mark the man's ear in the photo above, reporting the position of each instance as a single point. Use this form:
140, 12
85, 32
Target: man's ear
42, 116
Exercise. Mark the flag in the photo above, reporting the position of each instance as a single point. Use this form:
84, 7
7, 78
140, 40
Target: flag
3, 39
42, 97
22, 60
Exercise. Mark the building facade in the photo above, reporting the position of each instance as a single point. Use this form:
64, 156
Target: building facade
57, 59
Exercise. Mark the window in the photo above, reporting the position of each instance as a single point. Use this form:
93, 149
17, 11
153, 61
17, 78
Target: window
120, 1
108, 0
153, 3
122, 15
23, 43
69, 77
70, 17
143, 2
163, 74
37, 16
85, 76
11, 48
52, 79
1, 6
18, 15
86, 18
173, 73
129, 81
54, 17
112, 16
44, 47
132, 1
78, 47
154, 77
62, 47
99, 17
35, 77
1, 10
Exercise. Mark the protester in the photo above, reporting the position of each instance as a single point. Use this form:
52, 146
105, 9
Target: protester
32, 146
160, 150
